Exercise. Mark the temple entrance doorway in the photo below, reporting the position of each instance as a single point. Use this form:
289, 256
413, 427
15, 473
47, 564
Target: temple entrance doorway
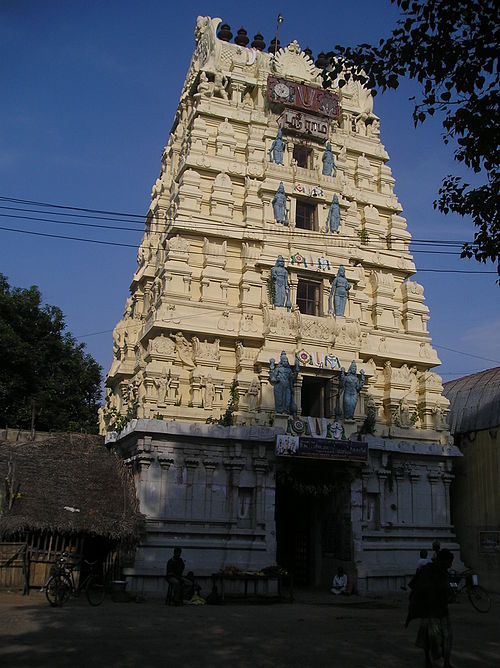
313, 525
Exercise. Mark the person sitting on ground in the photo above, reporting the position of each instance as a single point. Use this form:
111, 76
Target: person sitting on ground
424, 559
182, 586
339, 585
436, 546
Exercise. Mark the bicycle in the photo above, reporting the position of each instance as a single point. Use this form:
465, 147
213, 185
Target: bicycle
467, 580
62, 583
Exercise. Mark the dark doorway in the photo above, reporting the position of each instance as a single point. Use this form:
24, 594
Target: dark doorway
318, 397
313, 527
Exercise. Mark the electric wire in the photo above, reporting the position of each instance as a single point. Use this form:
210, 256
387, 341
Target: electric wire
307, 233
143, 217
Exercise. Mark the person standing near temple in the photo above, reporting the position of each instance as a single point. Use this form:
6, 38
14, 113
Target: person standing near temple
429, 602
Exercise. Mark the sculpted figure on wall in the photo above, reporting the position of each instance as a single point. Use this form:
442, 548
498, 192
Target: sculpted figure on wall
204, 88
351, 386
277, 149
220, 83
282, 376
209, 394
183, 348
163, 385
129, 307
329, 161
333, 218
338, 293
279, 205
253, 395
279, 277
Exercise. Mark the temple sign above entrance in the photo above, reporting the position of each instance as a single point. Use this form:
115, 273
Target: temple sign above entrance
321, 448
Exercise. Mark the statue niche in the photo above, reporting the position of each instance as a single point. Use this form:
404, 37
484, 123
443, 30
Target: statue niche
282, 376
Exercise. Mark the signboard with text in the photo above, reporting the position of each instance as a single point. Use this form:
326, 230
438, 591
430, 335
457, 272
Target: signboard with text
305, 124
302, 96
321, 448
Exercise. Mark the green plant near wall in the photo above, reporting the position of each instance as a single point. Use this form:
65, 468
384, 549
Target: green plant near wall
227, 418
117, 421
368, 426
363, 235
418, 414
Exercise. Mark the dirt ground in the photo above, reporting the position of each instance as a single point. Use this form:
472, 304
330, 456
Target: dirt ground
318, 629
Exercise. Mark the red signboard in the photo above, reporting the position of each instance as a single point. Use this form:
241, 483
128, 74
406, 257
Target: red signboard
302, 96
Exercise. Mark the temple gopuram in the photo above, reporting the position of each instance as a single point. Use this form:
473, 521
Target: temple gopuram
271, 385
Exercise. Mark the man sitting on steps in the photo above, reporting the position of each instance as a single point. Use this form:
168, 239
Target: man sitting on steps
182, 586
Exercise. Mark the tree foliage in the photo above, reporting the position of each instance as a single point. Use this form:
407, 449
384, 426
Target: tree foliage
43, 366
451, 47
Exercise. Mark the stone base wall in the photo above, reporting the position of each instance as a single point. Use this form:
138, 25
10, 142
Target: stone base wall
211, 490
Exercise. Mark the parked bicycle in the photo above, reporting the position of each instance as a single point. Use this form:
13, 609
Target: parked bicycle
467, 581
62, 582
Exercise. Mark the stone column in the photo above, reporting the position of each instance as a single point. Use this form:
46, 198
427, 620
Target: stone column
382, 477
191, 466
400, 480
365, 476
356, 516
261, 467
233, 468
447, 480
434, 479
210, 466
414, 478
143, 464
165, 464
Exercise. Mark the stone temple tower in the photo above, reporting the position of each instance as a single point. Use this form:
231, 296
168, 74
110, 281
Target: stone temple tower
273, 359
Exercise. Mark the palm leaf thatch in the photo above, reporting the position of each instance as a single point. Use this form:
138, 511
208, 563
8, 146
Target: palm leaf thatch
67, 483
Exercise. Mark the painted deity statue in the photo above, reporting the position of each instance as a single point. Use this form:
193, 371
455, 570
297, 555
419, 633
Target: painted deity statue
329, 161
279, 276
279, 205
282, 376
333, 218
338, 293
277, 149
351, 386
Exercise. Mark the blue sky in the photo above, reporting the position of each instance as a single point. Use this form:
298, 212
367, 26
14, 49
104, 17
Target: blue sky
88, 92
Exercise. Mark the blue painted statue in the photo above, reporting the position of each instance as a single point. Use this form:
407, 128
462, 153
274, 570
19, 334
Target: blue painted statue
277, 149
351, 386
338, 292
329, 161
279, 276
279, 205
333, 218
282, 376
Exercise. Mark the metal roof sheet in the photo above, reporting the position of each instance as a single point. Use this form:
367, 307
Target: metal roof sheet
474, 401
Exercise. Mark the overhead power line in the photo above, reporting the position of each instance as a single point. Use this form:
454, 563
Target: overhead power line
142, 218
130, 229
460, 352
61, 236
72, 208
115, 243
70, 222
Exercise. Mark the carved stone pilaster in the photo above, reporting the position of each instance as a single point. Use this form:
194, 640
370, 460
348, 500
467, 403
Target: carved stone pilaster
414, 479
382, 476
191, 466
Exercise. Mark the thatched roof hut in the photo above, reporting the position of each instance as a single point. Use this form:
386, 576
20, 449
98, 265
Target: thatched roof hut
67, 484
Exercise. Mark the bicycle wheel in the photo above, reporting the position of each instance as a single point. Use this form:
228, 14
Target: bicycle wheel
479, 598
95, 591
58, 590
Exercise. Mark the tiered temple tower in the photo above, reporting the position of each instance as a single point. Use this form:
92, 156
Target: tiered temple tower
268, 186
